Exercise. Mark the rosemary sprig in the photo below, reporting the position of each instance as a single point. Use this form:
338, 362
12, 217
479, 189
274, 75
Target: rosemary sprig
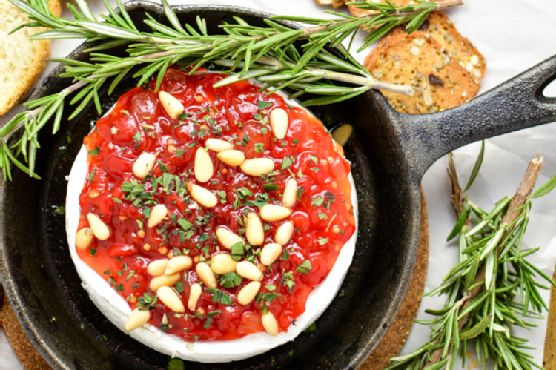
492, 288
278, 56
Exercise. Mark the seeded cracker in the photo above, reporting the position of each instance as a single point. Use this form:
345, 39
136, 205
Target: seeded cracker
440, 82
21, 59
439, 27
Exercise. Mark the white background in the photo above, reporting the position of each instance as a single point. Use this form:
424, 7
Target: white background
513, 35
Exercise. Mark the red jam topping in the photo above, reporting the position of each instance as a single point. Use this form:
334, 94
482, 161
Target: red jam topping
142, 171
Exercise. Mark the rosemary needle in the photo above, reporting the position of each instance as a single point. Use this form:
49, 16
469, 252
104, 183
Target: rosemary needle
297, 60
493, 286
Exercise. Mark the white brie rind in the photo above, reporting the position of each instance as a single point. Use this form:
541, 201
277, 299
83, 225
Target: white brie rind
116, 308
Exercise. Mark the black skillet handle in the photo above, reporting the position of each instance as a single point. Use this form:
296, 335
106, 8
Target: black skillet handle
514, 105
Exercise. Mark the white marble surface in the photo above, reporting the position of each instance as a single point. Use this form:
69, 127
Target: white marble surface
513, 35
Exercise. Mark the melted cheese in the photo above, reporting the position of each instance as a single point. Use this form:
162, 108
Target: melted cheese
116, 309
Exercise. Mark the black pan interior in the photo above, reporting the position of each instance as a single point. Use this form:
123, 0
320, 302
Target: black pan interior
72, 333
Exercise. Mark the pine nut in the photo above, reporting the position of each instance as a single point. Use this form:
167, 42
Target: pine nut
342, 134
157, 267
163, 280
247, 294
158, 214
226, 237
279, 123
178, 264
254, 231
84, 238
274, 212
284, 233
203, 167
98, 227
269, 323
270, 253
170, 298
194, 295
231, 157
217, 145
222, 263
143, 165
248, 270
171, 105
137, 318
257, 166
202, 195
290, 193
205, 274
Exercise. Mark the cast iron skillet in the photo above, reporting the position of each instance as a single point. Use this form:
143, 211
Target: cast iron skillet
389, 152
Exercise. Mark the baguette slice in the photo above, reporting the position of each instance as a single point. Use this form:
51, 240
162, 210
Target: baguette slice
21, 59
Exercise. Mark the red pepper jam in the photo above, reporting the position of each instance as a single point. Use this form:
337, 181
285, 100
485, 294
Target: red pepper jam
187, 200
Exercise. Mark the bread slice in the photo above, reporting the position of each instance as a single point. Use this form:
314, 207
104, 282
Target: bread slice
440, 82
21, 59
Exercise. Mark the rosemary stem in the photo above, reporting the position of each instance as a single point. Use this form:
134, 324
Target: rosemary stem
440, 4
518, 200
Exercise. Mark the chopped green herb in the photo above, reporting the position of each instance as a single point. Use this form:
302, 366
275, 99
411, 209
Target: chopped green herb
179, 287
147, 301
299, 192
116, 200
270, 287
287, 280
137, 137
210, 316
92, 175
264, 104
321, 216
260, 200
238, 250
270, 186
287, 162
245, 140
184, 224
94, 151
93, 251
322, 241
219, 296
267, 297
222, 195
130, 275
317, 200
304, 267
259, 147
243, 192
230, 280
285, 255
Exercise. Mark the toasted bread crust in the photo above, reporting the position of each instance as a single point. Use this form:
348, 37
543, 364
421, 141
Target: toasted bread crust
28, 73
